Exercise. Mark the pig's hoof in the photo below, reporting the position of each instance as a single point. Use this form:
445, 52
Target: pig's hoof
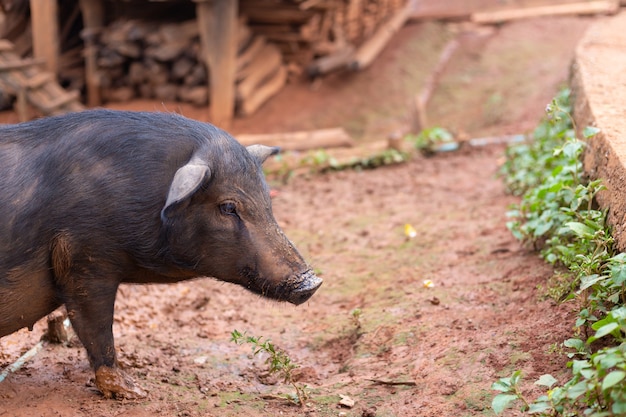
114, 383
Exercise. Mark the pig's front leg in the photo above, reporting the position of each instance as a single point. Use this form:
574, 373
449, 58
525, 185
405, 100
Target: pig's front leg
90, 306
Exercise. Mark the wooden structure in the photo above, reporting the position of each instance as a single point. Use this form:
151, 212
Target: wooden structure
330, 34
217, 21
33, 86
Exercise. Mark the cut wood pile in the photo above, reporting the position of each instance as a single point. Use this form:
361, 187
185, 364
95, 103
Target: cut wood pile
308, 29
150, 60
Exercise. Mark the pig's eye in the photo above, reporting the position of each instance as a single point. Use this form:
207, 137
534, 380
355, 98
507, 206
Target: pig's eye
228, 208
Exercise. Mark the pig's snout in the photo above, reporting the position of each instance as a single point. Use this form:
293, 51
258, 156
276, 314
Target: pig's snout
303, 288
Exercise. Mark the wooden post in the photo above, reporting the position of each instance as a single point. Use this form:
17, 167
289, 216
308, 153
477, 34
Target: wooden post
93, 21
217, 22
44, 16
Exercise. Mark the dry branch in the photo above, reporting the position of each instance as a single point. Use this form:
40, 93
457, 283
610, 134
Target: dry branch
421, 100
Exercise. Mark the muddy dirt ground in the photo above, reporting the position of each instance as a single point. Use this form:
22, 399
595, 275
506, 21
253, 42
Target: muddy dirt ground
439, 348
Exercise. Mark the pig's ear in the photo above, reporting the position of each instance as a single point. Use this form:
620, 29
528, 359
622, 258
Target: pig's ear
262, 152
186, 181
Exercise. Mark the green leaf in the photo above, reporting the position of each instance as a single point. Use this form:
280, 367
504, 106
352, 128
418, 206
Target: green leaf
546, 380
502, 385
574, 344
590, 131
613, 379
606, 329
539, 407
619, 408
589, 281
577, 390
581, 230
502, 401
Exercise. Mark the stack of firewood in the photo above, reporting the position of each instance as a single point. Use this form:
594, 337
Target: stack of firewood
307, 29
160, 61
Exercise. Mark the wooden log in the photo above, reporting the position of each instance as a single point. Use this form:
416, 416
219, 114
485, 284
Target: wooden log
301, 140
181, 68
370, 49
581, 8
166, 92
166, 52
198, 96
319, 4
179, 32
24, 63
263, 93
259, 69
265, 61
119, 94
275, 15
328, 63
197, 76
243, 59
136, 73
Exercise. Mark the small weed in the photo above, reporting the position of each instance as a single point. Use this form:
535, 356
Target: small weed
355, 317
278, 361
428, 140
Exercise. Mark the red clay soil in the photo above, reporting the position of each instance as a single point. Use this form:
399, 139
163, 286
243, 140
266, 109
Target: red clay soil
440, 346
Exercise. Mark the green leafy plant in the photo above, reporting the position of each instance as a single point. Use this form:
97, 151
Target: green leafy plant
278, 361
557, 215
597, 387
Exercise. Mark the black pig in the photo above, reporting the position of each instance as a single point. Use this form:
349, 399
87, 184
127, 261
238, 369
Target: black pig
93, 199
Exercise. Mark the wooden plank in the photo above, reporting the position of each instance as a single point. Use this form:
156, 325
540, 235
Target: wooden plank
264, 92
581, 8
61, 100
301, 140
19, 64
5, 45
45, 23
370, 49
39, 80
264, 64
217, 20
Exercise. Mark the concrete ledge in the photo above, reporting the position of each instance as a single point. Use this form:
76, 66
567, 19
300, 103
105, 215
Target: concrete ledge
599, 89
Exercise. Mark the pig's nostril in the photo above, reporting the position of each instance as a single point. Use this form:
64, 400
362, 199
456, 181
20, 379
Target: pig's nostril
305, 288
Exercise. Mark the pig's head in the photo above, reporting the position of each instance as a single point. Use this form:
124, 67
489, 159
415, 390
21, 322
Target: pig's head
218, 222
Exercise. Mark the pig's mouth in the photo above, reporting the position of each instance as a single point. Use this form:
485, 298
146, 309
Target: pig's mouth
296, 289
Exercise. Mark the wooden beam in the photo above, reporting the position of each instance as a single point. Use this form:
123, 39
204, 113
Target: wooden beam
301, 140
44, 16
580, 8
93, 21
217, 22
